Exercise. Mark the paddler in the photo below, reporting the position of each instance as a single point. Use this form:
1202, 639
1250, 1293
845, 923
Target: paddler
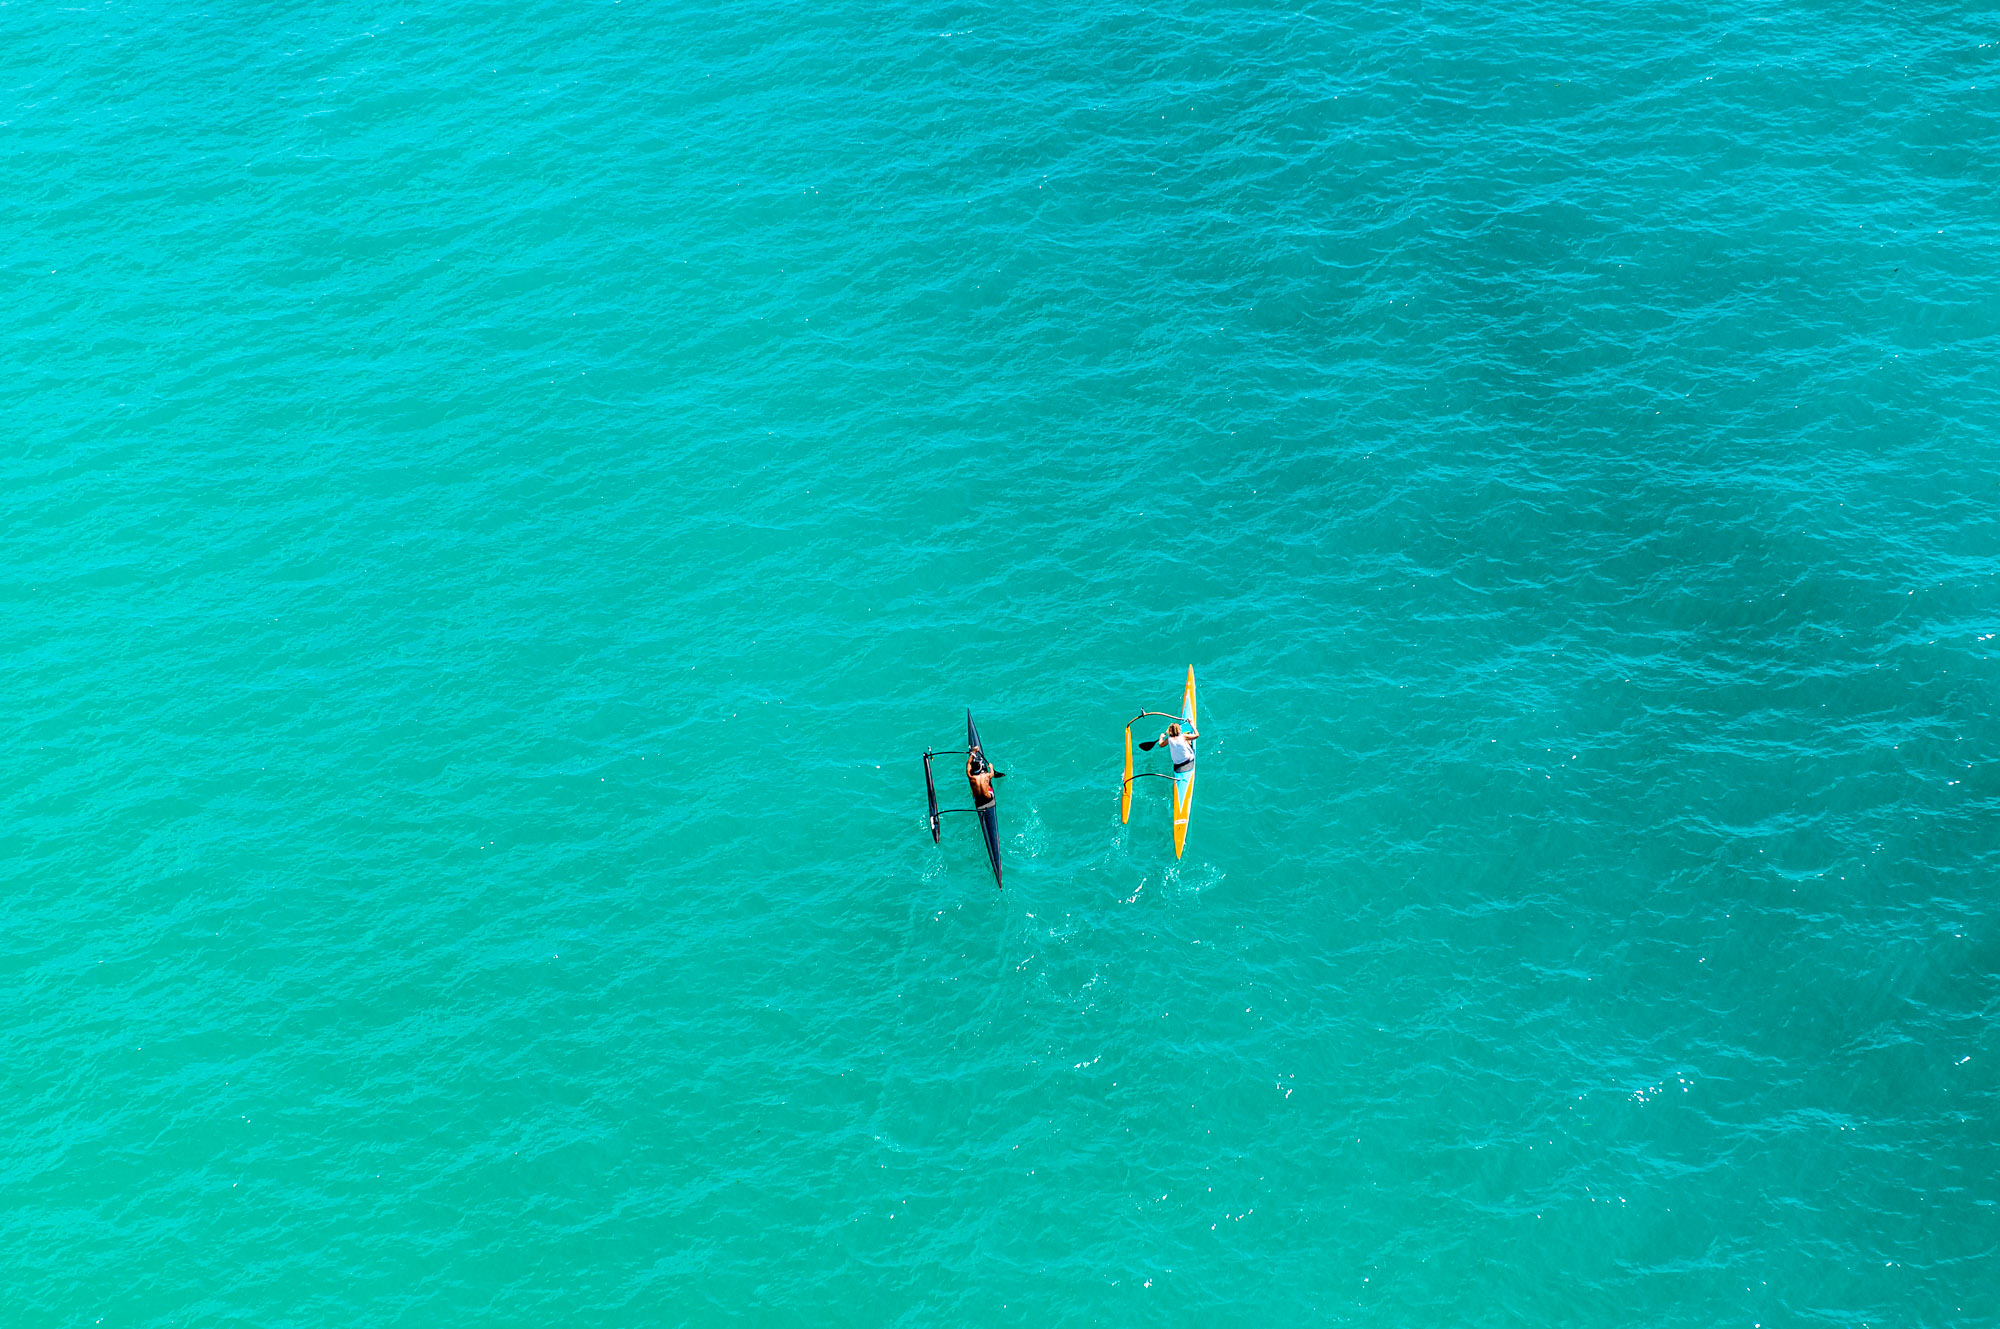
979, 774
1180, 747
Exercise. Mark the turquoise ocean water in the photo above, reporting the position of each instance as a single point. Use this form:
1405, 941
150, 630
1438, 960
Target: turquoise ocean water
496, 499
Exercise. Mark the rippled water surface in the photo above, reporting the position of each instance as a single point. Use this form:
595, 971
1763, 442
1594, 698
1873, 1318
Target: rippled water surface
497, 498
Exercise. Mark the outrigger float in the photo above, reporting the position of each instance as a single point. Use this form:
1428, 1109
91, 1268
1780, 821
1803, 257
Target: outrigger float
1183, 783
989, 816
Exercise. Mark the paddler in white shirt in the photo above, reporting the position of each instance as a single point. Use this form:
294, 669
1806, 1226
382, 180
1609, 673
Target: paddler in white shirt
1180, 747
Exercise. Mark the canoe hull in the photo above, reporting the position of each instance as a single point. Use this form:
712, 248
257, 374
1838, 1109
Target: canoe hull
1183, 784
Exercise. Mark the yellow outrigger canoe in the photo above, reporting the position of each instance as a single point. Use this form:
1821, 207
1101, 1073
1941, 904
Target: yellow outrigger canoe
1183, 784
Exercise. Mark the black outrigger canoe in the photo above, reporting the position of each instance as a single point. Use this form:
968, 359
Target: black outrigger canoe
989, 816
